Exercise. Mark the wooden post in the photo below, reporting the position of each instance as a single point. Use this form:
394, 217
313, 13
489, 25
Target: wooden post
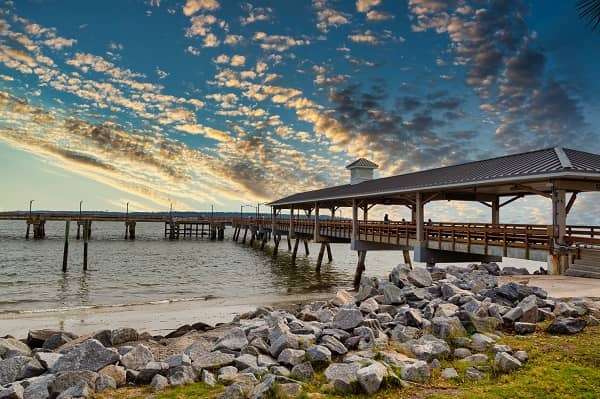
419, 221
295, 251
354, 221
496, 211
317, 229
27, 232
132, 230
320, 257
264, 241
66, 250
291, 228
273, 216
276, 240
559, 226
360, 268
306, 247
85, 246
329, 256
252, 235
407, 260
289, 243
126, 229
245, 234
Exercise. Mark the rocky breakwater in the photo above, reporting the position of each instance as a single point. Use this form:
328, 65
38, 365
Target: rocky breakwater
392, 331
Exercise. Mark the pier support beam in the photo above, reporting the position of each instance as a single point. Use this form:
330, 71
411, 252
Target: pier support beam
130, 230
27, 231
66, 248
276, 241
320, 257
306, 248
329, 256
317, 229
245, 234
295, 251
559, 257
496, 211
407, 260
86, 232
360, 268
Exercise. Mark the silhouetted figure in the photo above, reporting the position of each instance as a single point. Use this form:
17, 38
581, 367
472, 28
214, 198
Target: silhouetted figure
386, 219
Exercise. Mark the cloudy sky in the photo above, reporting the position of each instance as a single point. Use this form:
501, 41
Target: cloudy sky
201, 102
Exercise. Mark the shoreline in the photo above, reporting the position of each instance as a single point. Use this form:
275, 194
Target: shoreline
154, 318
160, 318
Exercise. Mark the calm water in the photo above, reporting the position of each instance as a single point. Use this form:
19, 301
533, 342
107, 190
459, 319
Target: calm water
152, 269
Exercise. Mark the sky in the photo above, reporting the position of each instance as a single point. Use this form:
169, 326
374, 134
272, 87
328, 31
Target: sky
214, 102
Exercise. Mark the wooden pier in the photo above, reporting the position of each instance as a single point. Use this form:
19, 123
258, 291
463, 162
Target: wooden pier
554, 173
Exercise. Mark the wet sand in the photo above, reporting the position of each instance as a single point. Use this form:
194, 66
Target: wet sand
155, 319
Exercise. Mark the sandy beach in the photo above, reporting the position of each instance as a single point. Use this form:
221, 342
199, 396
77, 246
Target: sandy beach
156, 319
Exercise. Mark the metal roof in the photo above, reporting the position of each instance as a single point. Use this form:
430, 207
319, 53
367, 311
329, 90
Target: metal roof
545, 163
362, 163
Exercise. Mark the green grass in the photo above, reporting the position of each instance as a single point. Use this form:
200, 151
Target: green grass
558, 367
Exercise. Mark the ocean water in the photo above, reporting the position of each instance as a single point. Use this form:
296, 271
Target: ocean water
154, 270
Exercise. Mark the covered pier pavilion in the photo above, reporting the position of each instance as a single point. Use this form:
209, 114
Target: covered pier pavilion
558, 174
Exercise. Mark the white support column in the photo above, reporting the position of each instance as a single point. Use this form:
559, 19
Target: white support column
354, 221
496, 211
317, 230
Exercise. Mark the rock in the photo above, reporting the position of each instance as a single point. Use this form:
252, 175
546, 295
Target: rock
179, 360
524, 328
37, 387
15, 391
78, 391
208, 378
199, 347
289, 390
403, 333
429, 347
105, 382
213, 360
506, 363
159, 382
233, 391
302, 372
472, 373
461, 353
333, 344
371, 377
47, 359
393, 295
69, 379
137, 358
413, 318
446, 310
512, 315
447, 327
417, 371
566, 325
246, 361
420, 277
10, 347
56, 341
366, 289
477, 359
369, 306
147, 373
280, 370
449, 373
530, 309
399, 275
325, 315
19, 367
347, 319
117, 373
319, 354
521, 356
121, 335
481, 342
103, 336
342, 376
291, 357
234, 340
342, 297
395, 359
266, 361
284, 341
181, 331
89, 355
181, 375
514, 271
263, 390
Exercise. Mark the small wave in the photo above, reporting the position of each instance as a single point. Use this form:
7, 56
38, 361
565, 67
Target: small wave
110, 306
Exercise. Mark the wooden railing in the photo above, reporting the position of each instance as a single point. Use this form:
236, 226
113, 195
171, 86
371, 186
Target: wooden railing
401, 233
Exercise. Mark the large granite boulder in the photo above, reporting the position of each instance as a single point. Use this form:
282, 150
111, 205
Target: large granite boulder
342, 376
19, 367
347, 319
137, 358
566, 325
90, 355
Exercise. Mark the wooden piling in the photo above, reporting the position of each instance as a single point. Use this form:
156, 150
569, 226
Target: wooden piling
289, 243
320, 257
263, 242
306, 248
295, 251
85, 246
276, 240
407, 260
27, 232
329, 256
79, 227
245, 233
66, 249
360, 268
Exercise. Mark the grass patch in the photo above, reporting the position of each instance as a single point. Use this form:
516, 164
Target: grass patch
558, 367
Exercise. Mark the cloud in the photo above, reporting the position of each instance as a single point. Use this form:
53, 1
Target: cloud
366, 5
378, 16
328, 17
366, 37
277, 43
201, 25
193, 6
58, 43
255, 14
238, 60
211, 40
